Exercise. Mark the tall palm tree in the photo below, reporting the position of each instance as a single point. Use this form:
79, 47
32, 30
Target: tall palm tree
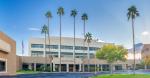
44, 31
74, 14
88, 38
84, 17
48, 16
132, 14
60, 12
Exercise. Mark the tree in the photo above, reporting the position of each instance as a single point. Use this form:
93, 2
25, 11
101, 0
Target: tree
132, 14
88, 38
48, 16
74, 14
84, 17
45, 31
111, 53
146, 61
60, 12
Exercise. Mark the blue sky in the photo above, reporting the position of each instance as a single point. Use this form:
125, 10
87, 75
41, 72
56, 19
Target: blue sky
22, 19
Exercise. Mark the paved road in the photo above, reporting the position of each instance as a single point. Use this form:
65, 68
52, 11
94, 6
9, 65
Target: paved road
54, 75
74, 75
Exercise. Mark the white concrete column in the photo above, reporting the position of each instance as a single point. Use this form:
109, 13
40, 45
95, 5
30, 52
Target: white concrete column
30, 67
124, 67
34, 66
97, 67
67, 68
54, 67
83, 67
80, 67
113, 67
101, 67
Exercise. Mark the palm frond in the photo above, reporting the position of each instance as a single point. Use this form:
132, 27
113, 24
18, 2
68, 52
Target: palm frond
48, 14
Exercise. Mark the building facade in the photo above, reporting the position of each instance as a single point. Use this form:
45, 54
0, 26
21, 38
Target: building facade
37, 49
39, 56
7, 55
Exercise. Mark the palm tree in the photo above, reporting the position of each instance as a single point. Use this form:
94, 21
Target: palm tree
44, 31
60, 12
88, 38
84, 17
132, 14
73, 14
48, 16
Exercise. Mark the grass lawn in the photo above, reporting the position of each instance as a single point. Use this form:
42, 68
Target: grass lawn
26, 72
124, 76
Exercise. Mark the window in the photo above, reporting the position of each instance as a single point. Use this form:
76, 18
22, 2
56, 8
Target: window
80, 48
66, 53
118, 67
105, 67
80, 54
2, 66
36, 45
66, 47
36, 53
52, 46
93, 48
92, 55
53, 54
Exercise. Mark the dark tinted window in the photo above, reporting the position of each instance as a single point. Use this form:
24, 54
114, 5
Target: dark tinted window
93, 48
52, 46
66, 47
80, 48
36, 53
2, 66
36, 45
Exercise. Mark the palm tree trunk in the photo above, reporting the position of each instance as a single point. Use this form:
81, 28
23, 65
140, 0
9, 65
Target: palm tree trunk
83, 42
45, 53
88, 59
60, 47
134, 66
49, 43
74, 48
95, 64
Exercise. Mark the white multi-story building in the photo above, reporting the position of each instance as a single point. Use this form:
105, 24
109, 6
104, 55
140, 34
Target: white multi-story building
37, 49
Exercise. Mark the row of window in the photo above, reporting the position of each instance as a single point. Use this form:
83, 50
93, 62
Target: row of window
40, 53
64, 47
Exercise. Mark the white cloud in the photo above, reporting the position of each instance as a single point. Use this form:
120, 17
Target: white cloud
145, 33
145, 37
34, 29
100, 40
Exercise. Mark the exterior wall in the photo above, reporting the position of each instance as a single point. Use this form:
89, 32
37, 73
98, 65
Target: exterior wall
146, 50
18, 63
8, 54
